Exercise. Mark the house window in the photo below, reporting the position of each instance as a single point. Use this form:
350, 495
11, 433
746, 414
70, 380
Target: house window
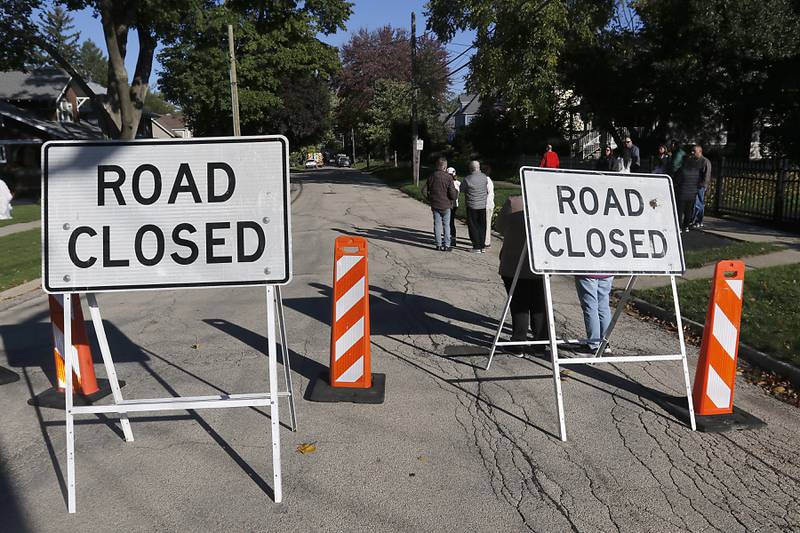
65, 111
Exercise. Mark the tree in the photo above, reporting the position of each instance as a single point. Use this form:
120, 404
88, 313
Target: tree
154, 102
391, 102
690, 68
92, 63
375, 64
16, 27
284, 71
57, 30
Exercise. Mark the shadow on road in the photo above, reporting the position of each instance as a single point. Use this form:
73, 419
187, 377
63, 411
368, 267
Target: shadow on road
397, 235
30, 345
399, 313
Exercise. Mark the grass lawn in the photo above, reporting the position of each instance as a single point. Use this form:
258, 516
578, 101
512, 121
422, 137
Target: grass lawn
771, 312
737, 250
20, 260
23, 213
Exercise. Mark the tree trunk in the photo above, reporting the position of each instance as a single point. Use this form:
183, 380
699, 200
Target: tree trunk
126, 99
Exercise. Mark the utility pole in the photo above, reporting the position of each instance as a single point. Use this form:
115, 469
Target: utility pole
353, 140
414, 125
237, 131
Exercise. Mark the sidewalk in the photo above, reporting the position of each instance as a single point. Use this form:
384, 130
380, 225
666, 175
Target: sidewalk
17, 228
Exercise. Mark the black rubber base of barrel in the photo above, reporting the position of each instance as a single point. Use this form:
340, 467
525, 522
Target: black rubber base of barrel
320, 390
737, 420
7, 376
54, 398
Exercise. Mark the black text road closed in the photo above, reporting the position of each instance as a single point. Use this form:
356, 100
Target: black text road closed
163, 214
589, 222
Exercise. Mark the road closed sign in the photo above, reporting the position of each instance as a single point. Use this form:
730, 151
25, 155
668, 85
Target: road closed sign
581, 222
129, 215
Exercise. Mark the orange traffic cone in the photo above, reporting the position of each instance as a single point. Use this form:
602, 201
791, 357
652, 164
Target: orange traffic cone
716, 367
84, 382
350, 377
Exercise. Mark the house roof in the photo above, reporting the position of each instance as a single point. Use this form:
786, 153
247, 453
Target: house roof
45, 84
171, 121
50, 129
470, 104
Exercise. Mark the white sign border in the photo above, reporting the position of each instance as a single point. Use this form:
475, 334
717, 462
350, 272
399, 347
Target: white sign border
529, 230
169, 286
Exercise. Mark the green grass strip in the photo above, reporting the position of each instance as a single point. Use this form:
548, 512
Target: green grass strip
771, 313
737, 250
23, 213
20, 258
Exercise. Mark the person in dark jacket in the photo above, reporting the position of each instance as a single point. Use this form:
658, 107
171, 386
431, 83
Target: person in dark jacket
440, 191
528, 300
676, 157
606, 160
695, 173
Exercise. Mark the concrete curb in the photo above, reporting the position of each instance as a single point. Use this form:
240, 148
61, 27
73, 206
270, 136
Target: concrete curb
19, 290
748, 353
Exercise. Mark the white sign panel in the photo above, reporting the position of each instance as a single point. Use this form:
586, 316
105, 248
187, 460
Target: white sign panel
157, 214
420, 144
583, 222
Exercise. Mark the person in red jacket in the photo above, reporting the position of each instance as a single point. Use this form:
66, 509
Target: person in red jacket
550, 158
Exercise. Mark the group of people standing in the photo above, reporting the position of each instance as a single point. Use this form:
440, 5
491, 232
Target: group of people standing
690, 175
442, 189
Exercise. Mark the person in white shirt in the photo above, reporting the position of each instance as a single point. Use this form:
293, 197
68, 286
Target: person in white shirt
453, 242
489, 205
5, 201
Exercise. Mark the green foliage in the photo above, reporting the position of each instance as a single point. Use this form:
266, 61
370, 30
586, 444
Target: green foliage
17, 27
390, 105
284, 71
92, 63
659, 68
57, 29
375, 64
155, 103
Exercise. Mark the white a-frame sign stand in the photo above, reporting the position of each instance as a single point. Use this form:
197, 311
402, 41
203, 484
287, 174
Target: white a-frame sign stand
593, 223
243, 223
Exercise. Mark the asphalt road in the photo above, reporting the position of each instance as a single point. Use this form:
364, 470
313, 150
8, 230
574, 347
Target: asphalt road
453, 448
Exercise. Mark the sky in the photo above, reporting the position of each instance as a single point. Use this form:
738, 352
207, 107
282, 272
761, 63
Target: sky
368, 14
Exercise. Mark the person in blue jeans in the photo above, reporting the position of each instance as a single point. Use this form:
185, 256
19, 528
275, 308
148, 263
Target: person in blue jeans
699, 207
593, 293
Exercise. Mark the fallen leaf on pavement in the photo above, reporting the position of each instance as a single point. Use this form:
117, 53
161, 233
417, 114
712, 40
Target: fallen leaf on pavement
307, 447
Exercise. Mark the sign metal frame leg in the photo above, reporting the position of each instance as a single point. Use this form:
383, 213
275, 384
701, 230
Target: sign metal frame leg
287, 367
123, 407
108, 362
273, 388
679, 323
551, 323
68, 407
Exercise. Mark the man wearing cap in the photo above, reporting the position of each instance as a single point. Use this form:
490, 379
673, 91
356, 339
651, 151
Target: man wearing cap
630, 155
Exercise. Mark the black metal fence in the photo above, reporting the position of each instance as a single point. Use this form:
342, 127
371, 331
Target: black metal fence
767, 190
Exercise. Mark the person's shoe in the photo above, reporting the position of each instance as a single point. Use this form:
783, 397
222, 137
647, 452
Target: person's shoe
475, 251
516, 350
448, 249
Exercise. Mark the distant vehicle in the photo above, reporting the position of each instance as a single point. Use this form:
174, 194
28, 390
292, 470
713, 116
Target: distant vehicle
311, 163
343, 161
